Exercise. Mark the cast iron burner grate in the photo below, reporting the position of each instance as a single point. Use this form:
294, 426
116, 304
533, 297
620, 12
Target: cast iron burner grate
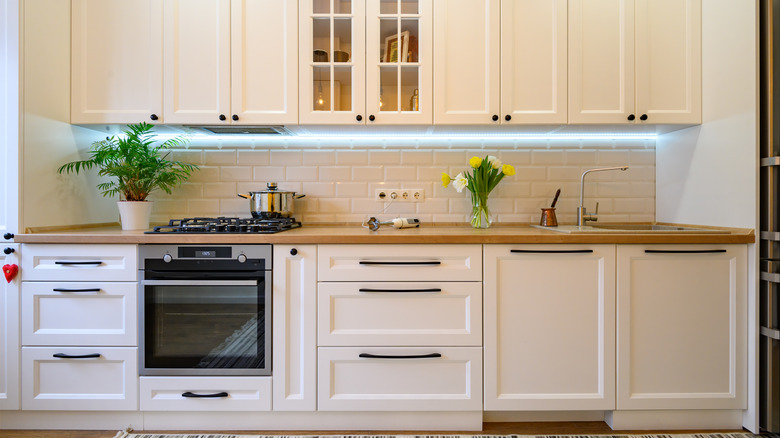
225, 225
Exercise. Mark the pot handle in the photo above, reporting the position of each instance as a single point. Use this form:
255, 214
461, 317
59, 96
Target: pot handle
299, 196
244, 196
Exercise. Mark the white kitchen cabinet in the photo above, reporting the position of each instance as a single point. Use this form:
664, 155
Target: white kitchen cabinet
295, 328
230, 61
69, 378
59, 262
79, 320
549, 327
681, 326
79, 313
635, 61
400, 379
399, 327
500, 62
116, 69
399, 263
366, 62
389, 313
205, 393
9, 335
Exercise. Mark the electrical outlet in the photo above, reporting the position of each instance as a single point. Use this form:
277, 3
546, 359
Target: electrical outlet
399, 195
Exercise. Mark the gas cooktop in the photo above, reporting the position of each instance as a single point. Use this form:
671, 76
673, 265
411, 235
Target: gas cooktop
226, 225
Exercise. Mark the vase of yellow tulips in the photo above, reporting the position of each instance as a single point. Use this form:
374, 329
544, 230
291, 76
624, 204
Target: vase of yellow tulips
484, 176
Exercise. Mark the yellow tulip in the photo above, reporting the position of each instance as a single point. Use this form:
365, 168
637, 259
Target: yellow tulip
475, 162
445, 179
507, 169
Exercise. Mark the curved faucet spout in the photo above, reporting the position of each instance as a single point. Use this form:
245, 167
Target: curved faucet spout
582, 216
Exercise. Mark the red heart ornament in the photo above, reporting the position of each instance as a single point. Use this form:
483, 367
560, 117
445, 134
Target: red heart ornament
10, 272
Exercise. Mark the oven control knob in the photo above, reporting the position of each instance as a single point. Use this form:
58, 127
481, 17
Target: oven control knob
167, 258
241, 258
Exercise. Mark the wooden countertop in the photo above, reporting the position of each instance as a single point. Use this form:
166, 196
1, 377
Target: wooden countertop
356, 234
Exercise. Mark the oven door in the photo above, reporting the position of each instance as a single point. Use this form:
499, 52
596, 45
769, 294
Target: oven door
205, 327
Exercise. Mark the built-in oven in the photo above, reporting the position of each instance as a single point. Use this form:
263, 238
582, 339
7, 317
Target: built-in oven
205, 310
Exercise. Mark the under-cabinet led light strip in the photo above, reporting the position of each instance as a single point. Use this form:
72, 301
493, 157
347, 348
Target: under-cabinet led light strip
295, 139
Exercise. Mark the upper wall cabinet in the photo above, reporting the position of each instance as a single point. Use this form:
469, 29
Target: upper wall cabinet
635, 61
366, 62
500, 62
116, 61
230, 61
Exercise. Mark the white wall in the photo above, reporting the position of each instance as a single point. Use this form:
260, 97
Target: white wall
49, 139
707, 174
9, 116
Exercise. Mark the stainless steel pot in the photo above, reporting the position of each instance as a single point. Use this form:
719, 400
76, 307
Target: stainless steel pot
271, 203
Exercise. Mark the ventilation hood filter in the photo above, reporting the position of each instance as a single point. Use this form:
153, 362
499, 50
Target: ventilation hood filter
238, 130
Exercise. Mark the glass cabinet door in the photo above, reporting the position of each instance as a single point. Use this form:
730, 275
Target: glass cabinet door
332, 64
398, 64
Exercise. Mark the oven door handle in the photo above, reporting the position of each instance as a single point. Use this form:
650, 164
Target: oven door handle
200, 282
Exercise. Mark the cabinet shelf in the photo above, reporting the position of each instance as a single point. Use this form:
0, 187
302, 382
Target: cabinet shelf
770, 161
770, 277
770, 333
770, 235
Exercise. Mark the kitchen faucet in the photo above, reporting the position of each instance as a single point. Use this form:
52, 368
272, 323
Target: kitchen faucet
582, 215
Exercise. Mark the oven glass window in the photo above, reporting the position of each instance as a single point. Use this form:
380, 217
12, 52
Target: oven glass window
204, 327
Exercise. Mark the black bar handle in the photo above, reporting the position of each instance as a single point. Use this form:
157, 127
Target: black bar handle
432, 290
76, 356
66, 262
683, 251
399, 356
59, 289
431, 263
214, 395
551, 251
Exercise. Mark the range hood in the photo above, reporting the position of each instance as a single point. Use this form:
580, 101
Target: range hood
238, 129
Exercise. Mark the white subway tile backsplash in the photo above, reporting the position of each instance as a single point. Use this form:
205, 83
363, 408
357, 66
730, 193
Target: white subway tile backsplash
235, 173
220, 158
268, 173
340, 181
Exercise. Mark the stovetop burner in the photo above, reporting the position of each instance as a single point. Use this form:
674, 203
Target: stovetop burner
225, 225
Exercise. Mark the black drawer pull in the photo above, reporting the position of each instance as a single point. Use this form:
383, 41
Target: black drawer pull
434, 290
76, 356
215, 395
683, 251
96, 262
399, 356
58, 289
431, 263
551, 251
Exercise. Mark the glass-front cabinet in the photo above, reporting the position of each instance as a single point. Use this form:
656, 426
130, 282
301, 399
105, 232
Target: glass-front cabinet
366, 62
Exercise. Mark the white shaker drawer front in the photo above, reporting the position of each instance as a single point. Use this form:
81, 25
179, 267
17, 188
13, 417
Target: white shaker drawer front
99, 378
399, 263
206, 393
98, 313
60, 262
400, 379
400, 314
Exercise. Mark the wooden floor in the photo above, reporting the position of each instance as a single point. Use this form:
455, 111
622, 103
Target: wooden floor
551, 428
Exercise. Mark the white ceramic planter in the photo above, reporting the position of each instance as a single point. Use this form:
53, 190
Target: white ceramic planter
134, 215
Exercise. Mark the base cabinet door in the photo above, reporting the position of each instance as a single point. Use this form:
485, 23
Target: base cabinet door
549, 327
69, 378
681, 326
205, 393
9, 336
400, 379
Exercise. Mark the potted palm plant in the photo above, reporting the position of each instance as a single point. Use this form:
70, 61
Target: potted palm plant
136, 168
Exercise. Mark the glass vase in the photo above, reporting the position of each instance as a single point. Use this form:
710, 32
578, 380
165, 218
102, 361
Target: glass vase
480, 215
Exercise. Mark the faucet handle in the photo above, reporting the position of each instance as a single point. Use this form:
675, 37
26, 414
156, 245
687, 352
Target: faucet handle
597, 209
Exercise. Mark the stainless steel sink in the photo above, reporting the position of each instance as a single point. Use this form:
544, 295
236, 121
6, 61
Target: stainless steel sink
630, 228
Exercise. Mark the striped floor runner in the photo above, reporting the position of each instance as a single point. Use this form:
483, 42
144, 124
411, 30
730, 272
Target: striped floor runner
218, 435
